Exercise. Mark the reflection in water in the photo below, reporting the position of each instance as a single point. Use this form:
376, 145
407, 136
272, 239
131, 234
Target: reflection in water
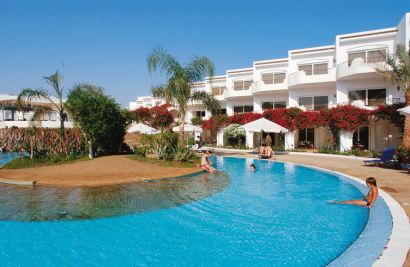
61, 203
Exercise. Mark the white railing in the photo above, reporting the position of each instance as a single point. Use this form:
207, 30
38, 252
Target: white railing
301, 78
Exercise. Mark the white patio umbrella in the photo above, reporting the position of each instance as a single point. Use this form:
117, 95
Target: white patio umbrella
189, 128
265, 125
142, 128
404, 111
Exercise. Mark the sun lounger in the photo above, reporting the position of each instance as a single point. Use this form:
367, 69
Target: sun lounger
385, 159
406, 166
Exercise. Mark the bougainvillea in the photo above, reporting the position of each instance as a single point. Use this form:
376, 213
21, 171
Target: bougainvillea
142, 114
161, 117
346, 117
287, 118
391, 114
243, 118
215, 123
157, 117
310, 119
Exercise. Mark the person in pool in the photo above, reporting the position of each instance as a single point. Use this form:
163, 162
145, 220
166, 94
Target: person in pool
205, 163
371, 197
252, 167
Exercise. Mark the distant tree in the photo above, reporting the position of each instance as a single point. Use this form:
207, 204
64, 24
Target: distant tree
180, 82
397, 70
27, 95
98, 117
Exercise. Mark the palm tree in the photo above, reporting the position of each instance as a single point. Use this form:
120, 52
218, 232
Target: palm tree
35, 123
179, 86
27, 95
397, 70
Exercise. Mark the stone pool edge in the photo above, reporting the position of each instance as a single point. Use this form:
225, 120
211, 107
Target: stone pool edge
398, 245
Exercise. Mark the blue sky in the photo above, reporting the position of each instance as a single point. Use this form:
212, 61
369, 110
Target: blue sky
106, 42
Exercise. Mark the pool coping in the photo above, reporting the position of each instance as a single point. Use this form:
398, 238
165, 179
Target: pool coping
398, 245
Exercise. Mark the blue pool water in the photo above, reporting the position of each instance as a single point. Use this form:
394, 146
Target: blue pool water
277, 216
6, 157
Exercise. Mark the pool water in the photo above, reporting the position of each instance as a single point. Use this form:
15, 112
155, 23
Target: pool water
277, 216
5, 157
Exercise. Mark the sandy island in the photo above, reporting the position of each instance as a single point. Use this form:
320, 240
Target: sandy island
96, 172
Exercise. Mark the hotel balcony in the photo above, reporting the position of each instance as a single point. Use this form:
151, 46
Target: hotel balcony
231, 93
300, 80
357, 69
259, 87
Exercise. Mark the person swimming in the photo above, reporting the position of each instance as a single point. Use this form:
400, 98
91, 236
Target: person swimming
205, 163
370, 198
252, 167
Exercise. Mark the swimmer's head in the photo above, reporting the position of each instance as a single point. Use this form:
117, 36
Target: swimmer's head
371, 181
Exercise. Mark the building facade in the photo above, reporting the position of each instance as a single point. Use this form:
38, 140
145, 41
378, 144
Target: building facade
10, 116
314, 78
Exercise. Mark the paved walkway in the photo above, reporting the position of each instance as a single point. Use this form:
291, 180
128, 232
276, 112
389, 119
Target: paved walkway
395, 182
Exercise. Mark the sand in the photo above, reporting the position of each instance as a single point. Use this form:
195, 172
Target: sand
96, 172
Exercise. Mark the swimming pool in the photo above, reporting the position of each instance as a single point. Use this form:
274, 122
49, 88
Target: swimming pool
277, 216
6, 157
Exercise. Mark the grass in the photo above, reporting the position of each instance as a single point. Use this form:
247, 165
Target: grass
169, 163
22, 163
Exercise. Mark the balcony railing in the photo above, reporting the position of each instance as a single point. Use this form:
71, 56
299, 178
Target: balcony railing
300, 78
360, 68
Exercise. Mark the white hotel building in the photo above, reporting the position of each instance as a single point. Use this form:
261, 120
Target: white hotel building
312, 78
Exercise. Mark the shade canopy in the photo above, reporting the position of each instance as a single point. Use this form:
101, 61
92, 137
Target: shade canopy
142, 128
189, 128
404, 111
265, 125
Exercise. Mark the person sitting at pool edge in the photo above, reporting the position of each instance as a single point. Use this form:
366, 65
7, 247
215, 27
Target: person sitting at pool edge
371, 197
205, 163
265, 152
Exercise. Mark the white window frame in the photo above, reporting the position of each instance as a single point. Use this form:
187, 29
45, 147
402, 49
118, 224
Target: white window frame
386, 50
366, 102
313, 68
313, 100
243, 84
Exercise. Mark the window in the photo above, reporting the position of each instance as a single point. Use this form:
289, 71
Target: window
314, 102
314, 69
376, 56
218, 90
267, 105
271, 78
279, 77
279, 104
267, 78
222, 111
361, 138
353, 56
53, 116
242, 85
376, 97
307, 135
242, 109
306, 102
371, 97
199, 114
369, 56
8, 115
320, 102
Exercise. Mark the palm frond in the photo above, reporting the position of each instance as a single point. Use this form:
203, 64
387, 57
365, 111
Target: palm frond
39, 112
208, 100
55, 81
199, 68
397, 69
27, 95
160, 59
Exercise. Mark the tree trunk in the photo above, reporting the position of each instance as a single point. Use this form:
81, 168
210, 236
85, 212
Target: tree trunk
90, 149
181, 129
31, 147
406, 133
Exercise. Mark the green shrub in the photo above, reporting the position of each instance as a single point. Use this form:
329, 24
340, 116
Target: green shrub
140, 152
183, 154
196, 120
234, 136
278, 148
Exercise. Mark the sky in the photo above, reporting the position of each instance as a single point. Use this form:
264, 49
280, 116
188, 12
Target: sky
107, 42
